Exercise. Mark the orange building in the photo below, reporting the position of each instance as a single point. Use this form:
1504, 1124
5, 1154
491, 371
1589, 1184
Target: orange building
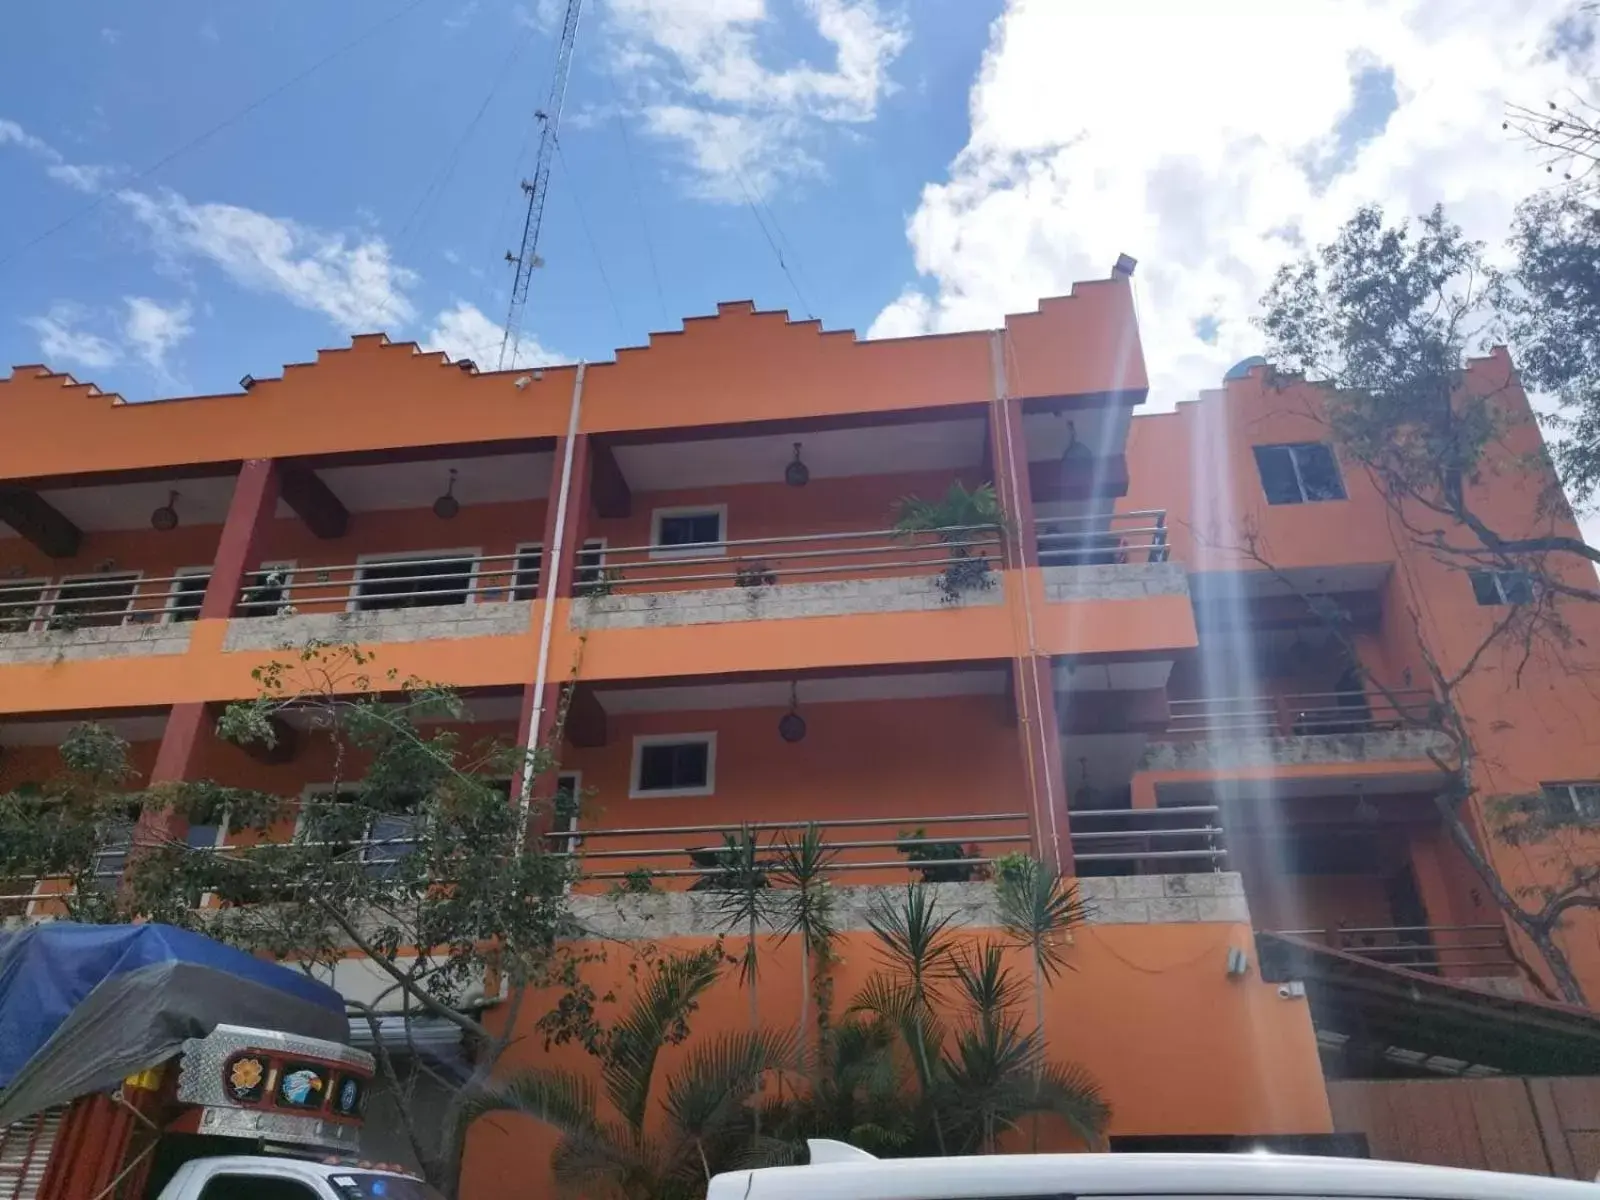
700, 533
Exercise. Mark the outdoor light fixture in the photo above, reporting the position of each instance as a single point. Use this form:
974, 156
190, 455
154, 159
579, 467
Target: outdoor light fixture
165, 518
247, 382
447, 506
797, 474
792, 726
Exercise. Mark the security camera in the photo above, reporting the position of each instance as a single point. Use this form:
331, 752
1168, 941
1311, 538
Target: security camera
522, 381
1285, 992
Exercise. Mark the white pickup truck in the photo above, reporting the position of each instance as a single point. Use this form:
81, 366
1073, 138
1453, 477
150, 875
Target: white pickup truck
251, 1177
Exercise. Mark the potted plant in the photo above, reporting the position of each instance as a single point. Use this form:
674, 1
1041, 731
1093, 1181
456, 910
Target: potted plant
957, 520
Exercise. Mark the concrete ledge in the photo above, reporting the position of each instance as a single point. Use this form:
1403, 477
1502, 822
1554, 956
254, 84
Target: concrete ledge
101, 642
501, 619
1386, 746
1122, 900
705, 606
1127, 581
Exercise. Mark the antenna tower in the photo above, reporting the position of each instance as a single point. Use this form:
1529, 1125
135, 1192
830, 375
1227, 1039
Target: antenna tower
526, 261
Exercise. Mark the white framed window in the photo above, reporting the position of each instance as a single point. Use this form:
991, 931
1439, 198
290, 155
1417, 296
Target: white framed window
1583, 796
528, 569
591, 563
21, 603
417, 579
188, 591
267, 589
569, 792
689, 532
104, 598
386, 838
673, 764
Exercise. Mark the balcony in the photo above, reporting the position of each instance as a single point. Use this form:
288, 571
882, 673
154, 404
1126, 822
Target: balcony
1112, 556
108, 614
1297, 729
802, 575
1472, 950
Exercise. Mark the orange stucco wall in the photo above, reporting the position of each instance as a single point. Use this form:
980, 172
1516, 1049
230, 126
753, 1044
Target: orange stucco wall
1149, 1011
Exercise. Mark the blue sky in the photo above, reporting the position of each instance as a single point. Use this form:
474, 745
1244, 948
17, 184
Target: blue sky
924, 164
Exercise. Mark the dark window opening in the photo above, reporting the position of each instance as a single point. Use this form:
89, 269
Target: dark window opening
591, 562
1299, 473
420, 583
19, 603
674, 766
266, 592
525, 579
677, 530
254, 1187
103, 600
188, 592
1491, 588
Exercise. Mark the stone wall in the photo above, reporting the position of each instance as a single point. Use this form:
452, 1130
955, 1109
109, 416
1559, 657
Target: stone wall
1122, 900
1384, 746
704, 606
111, 641
396, 625
1123, 581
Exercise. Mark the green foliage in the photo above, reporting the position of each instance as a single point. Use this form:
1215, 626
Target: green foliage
957, 519
637, 882
943, 858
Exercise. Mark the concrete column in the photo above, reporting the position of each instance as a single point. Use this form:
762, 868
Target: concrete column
255, 499
558, 570
1040, 728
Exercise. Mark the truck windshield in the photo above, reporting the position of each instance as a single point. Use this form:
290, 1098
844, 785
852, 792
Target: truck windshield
365, 1185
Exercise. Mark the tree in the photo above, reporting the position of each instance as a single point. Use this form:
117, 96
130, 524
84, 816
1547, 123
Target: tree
1385, 319
421, 861
711, 1123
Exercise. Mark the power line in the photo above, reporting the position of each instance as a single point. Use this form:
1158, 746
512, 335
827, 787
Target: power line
594, 247
441, 180
225, 123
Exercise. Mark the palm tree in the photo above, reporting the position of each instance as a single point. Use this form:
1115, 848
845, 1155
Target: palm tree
1038, 911
960, 519
710, 1121
805, 907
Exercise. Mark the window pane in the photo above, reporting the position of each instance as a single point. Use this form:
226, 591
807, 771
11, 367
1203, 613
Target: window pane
103, 600
1319, 472
525, 583
413, 584
1586, 799
254, 1187
1484, 587
590, 560
265, 592
672, 766
19, 604
1277, 474
1516, 587
690, 529
386, 845
191, 590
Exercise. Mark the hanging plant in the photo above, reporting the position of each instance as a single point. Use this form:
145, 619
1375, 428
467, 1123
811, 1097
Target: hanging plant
958, 520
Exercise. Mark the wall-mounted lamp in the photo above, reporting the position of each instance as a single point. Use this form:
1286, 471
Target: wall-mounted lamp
447, 506
1238, 963
247, 382
797, 474
165, 518
792, 726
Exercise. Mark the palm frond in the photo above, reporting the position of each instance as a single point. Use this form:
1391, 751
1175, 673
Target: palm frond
913, 936
560, 1099
710, 1090
990, 986
885, 996
1068, 1091
805, 905
606, 1158
670, 993
1038, 908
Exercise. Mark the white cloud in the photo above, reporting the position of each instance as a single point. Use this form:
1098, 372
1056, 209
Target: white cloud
151, 329
462, 17
63, 341
354, 282
79, 176
464, 332
110, 36
698, 71
1205, 153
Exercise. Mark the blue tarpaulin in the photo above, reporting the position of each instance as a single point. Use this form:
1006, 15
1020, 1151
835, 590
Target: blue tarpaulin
83, 1006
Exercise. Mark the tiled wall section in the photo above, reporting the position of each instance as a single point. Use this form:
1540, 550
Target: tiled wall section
399, 625
711, 605
1125, 900
1390, 745
112, 641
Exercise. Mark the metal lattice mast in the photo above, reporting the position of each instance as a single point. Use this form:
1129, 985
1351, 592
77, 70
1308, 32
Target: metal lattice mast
526, 260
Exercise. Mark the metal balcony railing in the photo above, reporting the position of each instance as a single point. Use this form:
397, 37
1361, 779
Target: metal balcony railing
1148, 841
799, 558
1300, 714
941, 849
1115, 540
390, 582
95, 601
1419, 947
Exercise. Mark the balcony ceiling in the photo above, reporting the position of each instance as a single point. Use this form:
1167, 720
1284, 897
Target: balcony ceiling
491, 479
1103, 430
146, 727
774, 693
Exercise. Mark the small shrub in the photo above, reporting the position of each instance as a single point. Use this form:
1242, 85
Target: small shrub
941, 859
755, 575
